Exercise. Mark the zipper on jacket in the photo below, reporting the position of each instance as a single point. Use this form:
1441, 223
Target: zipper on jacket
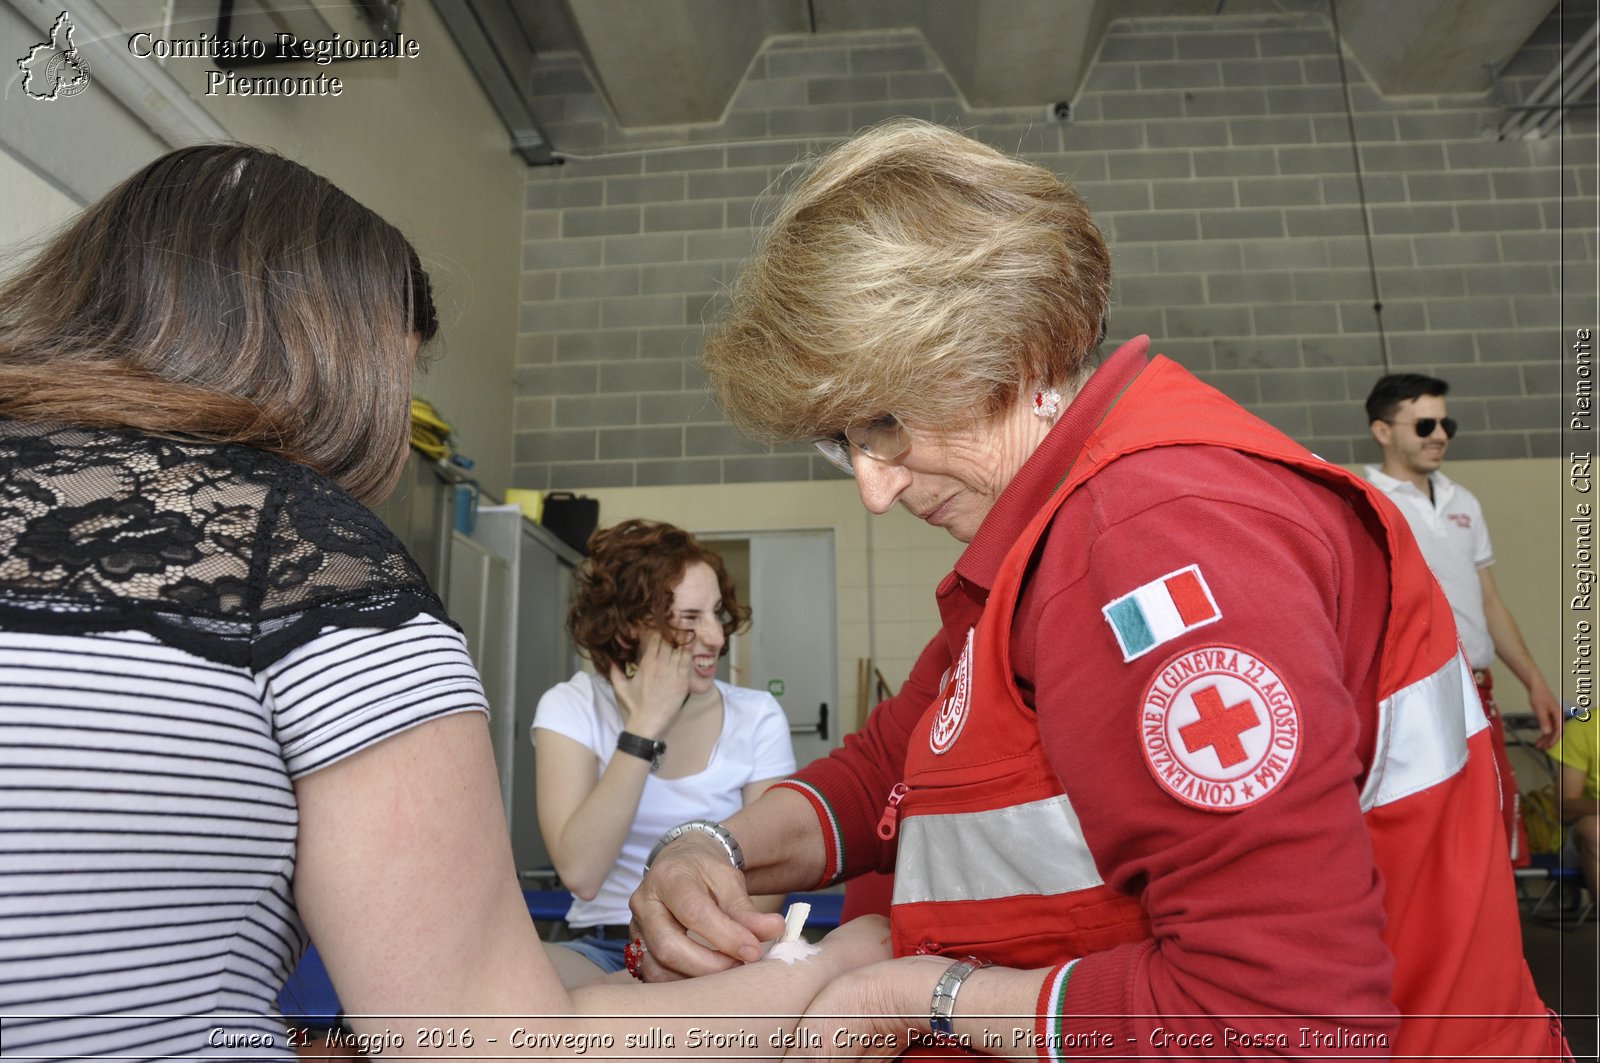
888, 825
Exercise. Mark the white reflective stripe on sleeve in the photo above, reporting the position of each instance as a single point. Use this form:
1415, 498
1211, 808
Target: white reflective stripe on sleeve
1422, 734
1036, 847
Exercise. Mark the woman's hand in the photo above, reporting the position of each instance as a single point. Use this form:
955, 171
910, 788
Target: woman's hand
659, 688
760, 1001
691, 886
870, 1012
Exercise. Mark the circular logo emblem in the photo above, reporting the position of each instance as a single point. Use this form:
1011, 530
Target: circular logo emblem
68, 74
957, 698
1219, 728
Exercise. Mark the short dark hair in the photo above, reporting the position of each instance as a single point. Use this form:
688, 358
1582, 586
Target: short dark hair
624, 588
1390, 391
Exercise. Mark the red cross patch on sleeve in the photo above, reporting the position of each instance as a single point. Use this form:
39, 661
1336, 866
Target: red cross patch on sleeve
1219, 729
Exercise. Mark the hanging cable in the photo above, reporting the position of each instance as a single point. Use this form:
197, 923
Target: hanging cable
1361, 187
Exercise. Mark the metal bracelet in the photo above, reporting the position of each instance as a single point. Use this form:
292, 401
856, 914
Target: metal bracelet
729, 843
944, 994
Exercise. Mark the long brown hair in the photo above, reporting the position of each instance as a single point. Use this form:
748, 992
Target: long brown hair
228, 294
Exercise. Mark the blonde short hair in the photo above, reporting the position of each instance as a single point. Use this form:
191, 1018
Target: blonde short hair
914, 271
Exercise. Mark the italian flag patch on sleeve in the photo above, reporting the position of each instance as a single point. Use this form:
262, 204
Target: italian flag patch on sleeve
1160, 611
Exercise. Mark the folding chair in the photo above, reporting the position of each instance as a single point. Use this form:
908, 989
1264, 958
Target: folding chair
1551, 871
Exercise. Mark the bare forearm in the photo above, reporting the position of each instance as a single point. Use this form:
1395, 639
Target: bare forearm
782, 842
888, 1006
757, 1002
760, 997
587, 846
748, 1012
1510, 647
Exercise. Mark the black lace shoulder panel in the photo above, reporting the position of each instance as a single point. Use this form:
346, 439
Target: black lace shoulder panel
223, 551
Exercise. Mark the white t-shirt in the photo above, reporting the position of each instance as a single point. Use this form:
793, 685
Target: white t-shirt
754, 745
1455, 542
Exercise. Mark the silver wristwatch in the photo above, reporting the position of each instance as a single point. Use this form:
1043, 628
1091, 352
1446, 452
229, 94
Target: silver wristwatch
729, 843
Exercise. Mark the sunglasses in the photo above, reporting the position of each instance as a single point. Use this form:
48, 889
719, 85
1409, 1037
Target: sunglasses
1426, 425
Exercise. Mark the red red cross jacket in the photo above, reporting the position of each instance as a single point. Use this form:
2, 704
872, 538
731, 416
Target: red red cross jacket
993, 860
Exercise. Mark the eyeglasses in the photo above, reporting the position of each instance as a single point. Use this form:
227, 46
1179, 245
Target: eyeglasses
1426, 425
882, 439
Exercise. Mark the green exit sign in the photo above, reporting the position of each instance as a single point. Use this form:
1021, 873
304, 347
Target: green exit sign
775, 687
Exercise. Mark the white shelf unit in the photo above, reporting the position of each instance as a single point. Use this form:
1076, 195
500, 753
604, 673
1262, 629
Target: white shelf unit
510, 582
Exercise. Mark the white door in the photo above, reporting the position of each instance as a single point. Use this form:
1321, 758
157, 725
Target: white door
791, 649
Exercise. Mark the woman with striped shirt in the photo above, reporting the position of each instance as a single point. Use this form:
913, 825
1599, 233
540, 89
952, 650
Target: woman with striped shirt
232, 713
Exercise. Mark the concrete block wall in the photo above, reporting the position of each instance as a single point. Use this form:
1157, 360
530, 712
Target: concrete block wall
1217, 155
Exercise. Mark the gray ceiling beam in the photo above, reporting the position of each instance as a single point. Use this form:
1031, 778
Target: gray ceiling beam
1427, 47
494, 46
1000, 53
676, 62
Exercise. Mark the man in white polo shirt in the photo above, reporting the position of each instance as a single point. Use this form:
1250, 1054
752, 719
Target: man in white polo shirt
1411, 424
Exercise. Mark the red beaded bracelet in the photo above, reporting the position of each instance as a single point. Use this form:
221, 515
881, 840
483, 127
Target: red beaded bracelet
633, 955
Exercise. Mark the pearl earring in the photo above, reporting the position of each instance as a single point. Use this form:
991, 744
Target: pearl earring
1046, 403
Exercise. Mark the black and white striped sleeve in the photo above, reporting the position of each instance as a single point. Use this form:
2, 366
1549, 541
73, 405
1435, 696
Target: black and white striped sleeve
350, 687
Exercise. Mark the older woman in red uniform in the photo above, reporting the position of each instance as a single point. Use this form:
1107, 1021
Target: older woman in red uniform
1194, 765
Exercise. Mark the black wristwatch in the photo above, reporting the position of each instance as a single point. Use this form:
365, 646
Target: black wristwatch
644, 748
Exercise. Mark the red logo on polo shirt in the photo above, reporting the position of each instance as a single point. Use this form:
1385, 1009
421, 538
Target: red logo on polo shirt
1219, 729
957, 700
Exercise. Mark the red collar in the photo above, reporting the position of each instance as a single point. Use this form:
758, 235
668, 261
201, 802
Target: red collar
1042, 473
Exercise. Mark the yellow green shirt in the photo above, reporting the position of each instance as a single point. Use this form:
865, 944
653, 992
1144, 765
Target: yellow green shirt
1580, 748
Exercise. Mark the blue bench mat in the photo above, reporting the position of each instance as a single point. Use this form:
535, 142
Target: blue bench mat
548, 905
308, 998
825, 908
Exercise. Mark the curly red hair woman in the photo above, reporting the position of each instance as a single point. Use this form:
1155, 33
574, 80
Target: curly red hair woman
626, 588
651, 738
